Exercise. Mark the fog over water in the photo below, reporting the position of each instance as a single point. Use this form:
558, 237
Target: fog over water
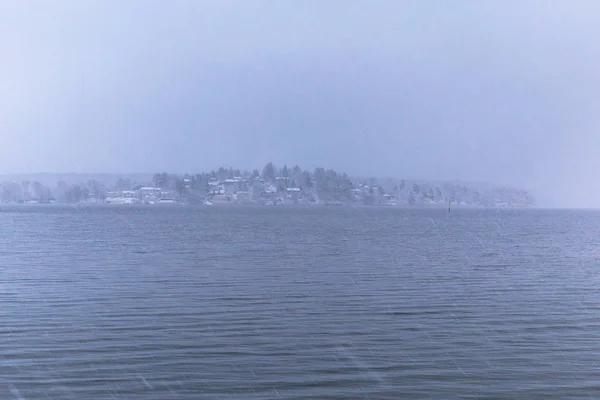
472, 91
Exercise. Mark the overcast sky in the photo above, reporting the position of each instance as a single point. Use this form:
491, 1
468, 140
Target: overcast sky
503, 92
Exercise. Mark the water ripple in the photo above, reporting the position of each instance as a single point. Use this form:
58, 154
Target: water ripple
184, 303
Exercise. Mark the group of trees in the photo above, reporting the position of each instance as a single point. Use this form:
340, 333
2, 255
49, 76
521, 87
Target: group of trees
327, 184
324, 183
90, 190
417, 193
25, 191
320, 183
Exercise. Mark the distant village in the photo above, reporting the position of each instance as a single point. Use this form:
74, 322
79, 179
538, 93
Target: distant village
270, 187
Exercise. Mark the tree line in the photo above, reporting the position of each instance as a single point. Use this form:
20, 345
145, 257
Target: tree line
319, 183
327, 183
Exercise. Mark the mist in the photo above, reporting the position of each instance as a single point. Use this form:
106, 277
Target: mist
472, 91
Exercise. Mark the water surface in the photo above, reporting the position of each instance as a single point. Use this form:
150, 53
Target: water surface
298, 303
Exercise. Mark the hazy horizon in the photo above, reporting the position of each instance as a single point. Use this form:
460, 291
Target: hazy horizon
503, 93
52, 178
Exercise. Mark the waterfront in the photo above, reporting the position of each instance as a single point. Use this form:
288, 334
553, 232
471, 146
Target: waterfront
274, 187
378, 303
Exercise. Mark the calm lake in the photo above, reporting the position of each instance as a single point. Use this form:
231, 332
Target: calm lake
298, 303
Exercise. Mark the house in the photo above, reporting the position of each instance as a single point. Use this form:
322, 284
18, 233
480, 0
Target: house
149, 194
231, 186
215, 188
270, 188
293, 193
122, 197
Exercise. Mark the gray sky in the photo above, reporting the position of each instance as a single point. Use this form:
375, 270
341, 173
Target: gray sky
503, 92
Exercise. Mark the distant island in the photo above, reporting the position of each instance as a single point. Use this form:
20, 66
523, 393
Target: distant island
271, 186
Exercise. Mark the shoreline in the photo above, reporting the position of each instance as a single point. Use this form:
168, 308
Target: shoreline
249, 205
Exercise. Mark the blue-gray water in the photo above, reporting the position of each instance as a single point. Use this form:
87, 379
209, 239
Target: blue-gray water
331, 303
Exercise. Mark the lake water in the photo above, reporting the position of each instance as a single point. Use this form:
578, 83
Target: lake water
298, 303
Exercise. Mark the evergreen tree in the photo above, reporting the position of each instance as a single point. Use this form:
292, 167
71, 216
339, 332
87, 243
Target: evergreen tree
306, 182
269, 172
